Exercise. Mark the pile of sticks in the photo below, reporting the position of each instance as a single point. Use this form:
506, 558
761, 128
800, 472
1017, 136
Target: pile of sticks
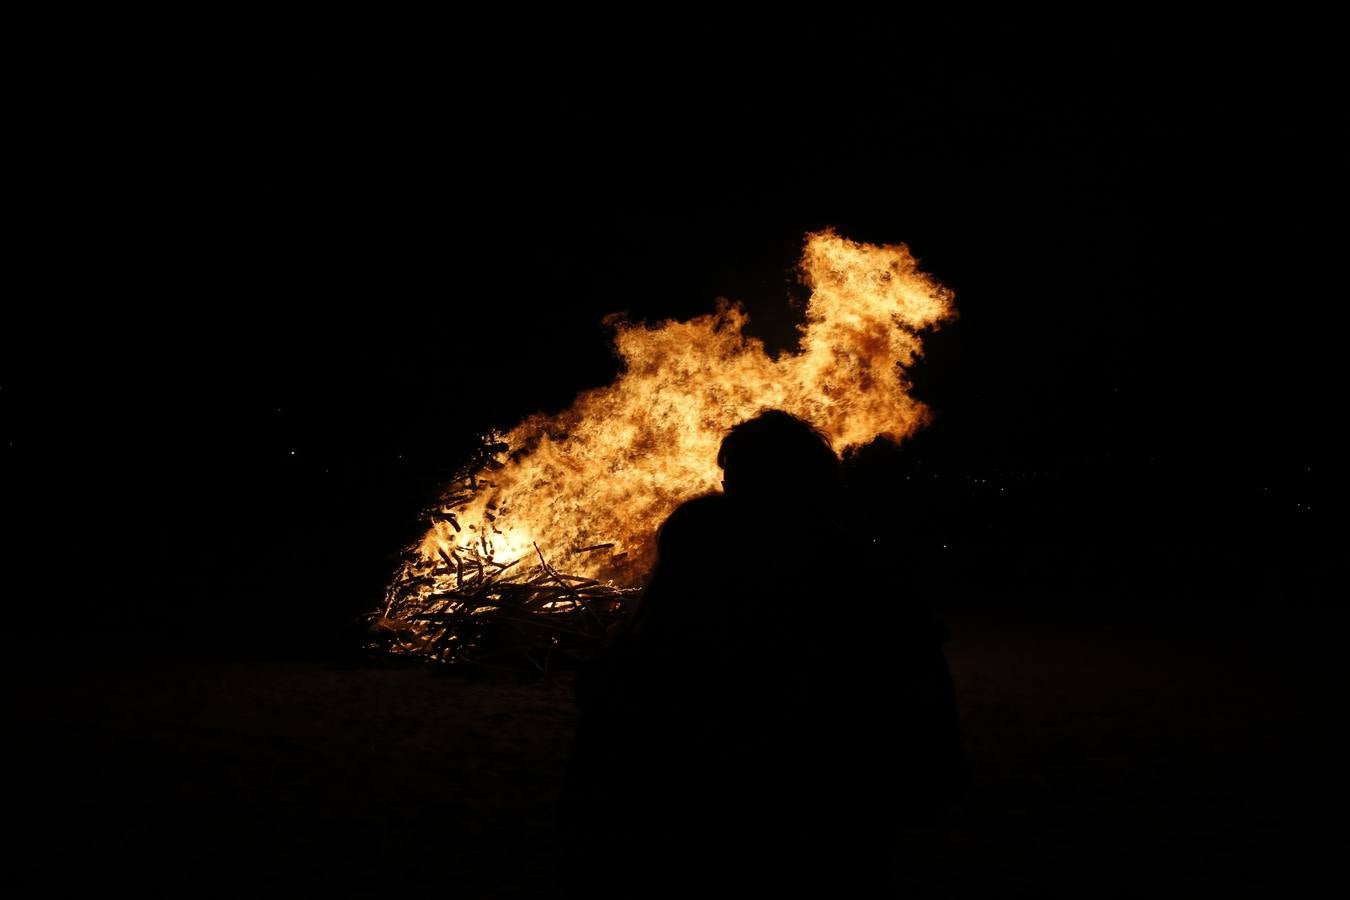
469, 609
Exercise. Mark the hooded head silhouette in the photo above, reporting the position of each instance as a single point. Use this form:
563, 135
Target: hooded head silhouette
775, 459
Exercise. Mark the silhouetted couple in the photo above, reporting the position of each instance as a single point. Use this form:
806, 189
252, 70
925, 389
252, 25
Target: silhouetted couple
776, 710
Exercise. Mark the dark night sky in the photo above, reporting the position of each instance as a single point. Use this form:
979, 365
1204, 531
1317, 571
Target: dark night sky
279, 293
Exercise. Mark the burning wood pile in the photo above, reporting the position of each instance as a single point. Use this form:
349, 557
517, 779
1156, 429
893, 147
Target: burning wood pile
534, 554
467, 607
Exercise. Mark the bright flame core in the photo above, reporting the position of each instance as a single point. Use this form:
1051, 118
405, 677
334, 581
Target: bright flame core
611, 468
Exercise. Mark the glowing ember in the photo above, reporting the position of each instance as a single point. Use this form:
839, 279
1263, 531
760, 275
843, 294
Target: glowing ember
592, 484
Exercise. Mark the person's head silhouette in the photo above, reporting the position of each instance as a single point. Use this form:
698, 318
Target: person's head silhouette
776, 459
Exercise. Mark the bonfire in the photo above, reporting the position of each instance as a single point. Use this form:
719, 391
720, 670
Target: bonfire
535, 555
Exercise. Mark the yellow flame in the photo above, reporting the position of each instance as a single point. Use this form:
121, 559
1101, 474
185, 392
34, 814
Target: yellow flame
613, 466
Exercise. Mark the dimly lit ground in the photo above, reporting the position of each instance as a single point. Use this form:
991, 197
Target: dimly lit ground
1111, 758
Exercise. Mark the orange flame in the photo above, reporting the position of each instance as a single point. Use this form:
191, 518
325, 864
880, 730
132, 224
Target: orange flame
611, 468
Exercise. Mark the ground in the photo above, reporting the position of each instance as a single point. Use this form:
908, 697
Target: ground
1110, 758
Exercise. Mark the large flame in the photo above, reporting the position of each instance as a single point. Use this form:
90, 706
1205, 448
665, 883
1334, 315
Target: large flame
610, 469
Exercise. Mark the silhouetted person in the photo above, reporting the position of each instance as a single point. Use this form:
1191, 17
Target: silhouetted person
777, 708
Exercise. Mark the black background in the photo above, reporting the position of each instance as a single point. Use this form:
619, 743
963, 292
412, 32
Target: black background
272, 294
268, 283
